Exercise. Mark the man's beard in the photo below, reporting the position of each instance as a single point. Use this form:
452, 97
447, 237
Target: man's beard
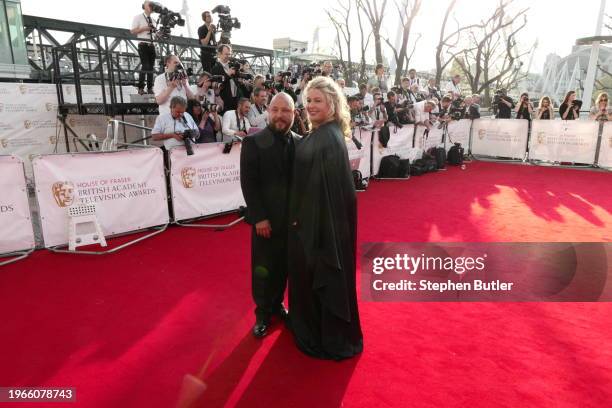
279, 130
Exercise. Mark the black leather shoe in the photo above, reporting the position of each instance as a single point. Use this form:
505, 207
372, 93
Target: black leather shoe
260, 329
282, 312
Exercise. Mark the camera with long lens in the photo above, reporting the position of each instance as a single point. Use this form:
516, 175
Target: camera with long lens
226, 23
216, 79
168, 19
457, 109
180, 73
189, 137
210, 107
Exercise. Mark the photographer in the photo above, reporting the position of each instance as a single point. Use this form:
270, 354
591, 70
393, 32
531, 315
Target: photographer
206, 35
229, 87
208, 120
300, 121
422, 113
368, 99
379, 113
378, 80
171, 126
432, 90
444, 109
258, 115
524, 109
545, 109
390, 109
453, 87
601, 111
503, 105
207, 91
144, 29
359, 116
235, 122
472, 110
173, 82
570, 108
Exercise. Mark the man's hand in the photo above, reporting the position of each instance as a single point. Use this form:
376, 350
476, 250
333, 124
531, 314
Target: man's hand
241, 134
506, 102
173, 84
178, 136
263, 229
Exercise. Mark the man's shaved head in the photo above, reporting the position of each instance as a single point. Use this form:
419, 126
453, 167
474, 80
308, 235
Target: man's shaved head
281, 113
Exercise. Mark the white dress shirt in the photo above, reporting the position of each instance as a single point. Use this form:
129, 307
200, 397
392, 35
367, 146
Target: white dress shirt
258, 117
419, 112
160, 86
231, 126
141, 21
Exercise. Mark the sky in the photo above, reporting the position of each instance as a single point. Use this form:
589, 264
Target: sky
555, 24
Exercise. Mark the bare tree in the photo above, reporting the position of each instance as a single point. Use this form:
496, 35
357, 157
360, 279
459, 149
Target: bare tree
375, 16
407, 11
447, 42
340, 17
492, 54
364, 47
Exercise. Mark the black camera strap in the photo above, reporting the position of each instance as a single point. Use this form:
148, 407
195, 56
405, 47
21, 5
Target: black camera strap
240, 128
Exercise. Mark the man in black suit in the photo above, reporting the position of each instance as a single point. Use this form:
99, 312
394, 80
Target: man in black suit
230, 92
266, 164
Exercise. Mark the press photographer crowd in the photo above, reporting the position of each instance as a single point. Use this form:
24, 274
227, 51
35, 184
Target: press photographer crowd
228, 98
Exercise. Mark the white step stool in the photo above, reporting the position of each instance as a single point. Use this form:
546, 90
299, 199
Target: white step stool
83, 227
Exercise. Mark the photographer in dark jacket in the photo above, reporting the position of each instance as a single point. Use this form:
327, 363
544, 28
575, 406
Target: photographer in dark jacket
229, 88
503, 105
570, 108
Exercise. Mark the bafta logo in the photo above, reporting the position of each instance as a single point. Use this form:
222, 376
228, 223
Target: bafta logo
4, 142
23, 89
53, 140
50, 107
481, 133
188, 176
72, 122
27, 124
63, 193
541, 138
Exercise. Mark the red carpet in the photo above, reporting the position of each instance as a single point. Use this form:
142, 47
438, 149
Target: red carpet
125, 329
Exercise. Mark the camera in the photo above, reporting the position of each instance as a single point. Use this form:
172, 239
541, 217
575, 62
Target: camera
180, 73
210, 107
168, 20
216, 79
226, 23
457, 109
189, 137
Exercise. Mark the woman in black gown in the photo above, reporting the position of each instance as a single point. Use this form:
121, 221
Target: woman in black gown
323, 231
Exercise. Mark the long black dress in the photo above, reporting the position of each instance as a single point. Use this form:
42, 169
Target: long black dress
322, 248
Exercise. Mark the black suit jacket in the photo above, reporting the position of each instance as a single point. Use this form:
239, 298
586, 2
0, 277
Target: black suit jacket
229, 102
265, 180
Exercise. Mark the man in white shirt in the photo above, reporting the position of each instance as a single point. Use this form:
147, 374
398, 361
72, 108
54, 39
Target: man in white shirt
144, 29
412, 78
421, 113
453, 87
165, 89
258, 115
171, 126
368, 99
235, 122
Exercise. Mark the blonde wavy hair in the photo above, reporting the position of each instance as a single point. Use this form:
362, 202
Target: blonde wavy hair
339, 111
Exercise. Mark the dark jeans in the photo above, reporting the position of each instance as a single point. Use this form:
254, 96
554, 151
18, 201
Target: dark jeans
146, 52
207, 58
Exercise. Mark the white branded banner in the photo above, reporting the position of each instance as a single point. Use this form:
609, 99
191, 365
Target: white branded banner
500, 137
605, 151
206, 183
459, 132
564, 140
15, 221
426, 140
128, 189
362, 155
400, 144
